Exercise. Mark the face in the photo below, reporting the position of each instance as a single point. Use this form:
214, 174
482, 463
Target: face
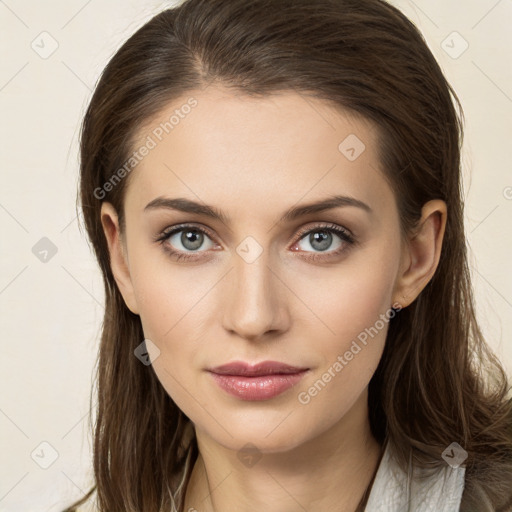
312, 288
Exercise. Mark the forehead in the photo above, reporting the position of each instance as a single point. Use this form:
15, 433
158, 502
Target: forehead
227, 148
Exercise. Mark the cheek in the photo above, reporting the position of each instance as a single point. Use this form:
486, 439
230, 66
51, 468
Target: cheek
358, 318
167, 294
354, 306
174, 303
352, 298
170, 308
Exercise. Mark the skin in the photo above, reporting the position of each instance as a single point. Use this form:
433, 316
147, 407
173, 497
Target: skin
253, 159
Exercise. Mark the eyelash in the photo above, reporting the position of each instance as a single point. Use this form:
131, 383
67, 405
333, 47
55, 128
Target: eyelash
342, 233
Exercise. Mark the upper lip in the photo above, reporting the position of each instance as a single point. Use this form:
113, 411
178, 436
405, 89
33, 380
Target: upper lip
263, 368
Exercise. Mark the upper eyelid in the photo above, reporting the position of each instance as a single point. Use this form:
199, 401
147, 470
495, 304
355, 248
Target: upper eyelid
328, 226
167, 232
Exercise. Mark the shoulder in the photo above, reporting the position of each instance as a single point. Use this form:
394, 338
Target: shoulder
415, 490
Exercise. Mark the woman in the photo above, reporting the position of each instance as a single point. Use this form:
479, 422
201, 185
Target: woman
272, 189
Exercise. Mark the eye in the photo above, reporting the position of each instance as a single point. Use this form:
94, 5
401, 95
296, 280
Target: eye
321, 239
184, 241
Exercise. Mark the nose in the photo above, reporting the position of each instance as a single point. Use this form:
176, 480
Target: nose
255, 306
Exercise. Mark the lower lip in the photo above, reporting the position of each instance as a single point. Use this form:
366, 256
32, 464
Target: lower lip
262, 387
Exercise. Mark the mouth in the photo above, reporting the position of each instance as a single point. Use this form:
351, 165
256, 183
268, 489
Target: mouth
241, 368
261, 381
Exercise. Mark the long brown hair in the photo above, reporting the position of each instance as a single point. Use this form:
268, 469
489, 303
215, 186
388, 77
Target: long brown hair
438, 381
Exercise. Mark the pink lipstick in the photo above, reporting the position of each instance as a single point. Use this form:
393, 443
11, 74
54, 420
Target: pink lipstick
262, 381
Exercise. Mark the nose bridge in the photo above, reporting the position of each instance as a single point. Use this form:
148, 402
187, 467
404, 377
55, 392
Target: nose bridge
255, 303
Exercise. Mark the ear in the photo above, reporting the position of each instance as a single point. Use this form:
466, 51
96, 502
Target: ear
118, 257
421, 253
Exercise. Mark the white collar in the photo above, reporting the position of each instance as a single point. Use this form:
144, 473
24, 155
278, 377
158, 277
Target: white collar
393, 490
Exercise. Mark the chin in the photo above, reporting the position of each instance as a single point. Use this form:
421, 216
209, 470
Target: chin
269, 433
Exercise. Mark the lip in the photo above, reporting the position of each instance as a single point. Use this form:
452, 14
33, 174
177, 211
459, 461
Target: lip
261, 381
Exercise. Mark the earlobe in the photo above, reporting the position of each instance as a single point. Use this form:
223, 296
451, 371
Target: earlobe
421, 253
118, 257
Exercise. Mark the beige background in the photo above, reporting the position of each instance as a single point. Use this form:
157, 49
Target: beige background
51, 312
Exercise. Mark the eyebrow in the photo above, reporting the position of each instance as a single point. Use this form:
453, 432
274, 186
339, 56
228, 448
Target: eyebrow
189, 206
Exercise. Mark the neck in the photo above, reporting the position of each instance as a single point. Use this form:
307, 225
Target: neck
329, 472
